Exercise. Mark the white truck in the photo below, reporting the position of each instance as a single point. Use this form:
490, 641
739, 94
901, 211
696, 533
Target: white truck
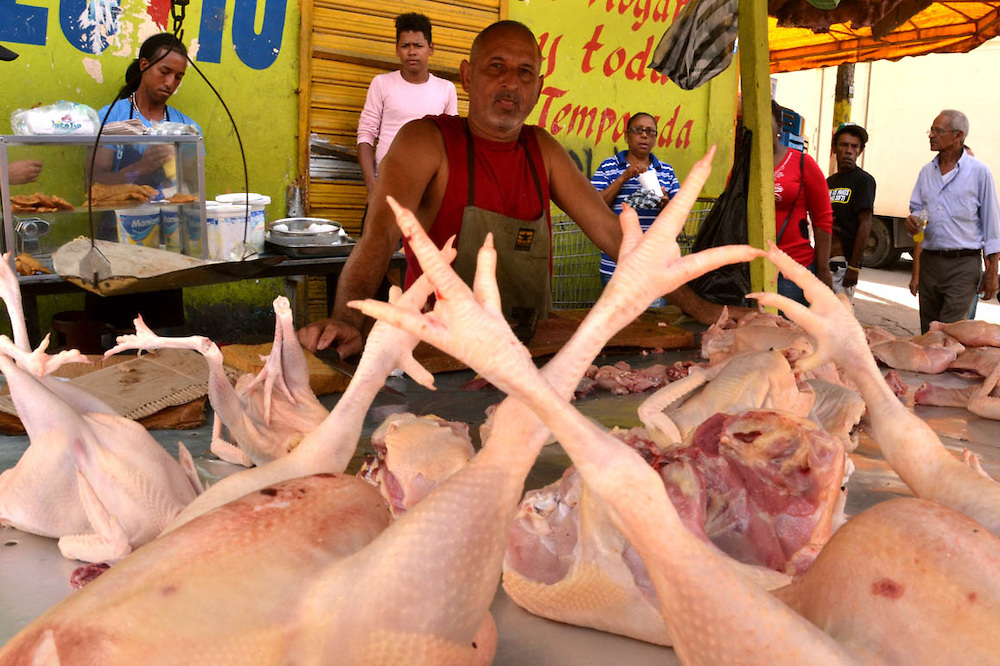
896, 102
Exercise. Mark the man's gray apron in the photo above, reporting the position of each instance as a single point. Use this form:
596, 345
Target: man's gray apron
523, 250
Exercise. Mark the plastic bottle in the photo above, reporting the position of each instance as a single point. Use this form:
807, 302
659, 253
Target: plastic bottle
919, 236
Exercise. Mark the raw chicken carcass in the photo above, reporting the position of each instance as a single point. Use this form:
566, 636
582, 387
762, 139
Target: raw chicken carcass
267, 413
980, 360
838, 410
95, 480
932, 395
329, 447
971, 332
413, 455
222, 589
983, 402
909, 445
752, 380
761, 486
937, 338
716, 615
877, 334
906, 355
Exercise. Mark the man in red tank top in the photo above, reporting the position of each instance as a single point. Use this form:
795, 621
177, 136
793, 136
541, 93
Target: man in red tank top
517, 169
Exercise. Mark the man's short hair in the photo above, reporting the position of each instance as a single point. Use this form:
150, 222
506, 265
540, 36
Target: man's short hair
855, 130
413, 22
958, 120
499, 25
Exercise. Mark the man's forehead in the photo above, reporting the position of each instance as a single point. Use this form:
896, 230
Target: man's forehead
411, 37
507, 43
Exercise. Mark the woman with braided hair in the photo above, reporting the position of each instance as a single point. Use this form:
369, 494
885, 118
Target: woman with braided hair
150, 80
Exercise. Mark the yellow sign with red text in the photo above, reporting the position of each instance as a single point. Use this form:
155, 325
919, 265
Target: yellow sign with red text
595, 63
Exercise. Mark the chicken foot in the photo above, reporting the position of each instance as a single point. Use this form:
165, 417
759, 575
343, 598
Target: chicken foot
383, 623
471, 327
329, 447
263, 427
909, 445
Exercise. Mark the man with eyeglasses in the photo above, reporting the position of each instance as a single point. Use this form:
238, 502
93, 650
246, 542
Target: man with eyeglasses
617, 181
956, 195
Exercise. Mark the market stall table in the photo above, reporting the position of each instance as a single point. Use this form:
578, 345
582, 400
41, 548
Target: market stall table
33, 575
265, 266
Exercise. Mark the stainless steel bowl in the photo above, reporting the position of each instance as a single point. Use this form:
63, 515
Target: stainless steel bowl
298, 228
299, 241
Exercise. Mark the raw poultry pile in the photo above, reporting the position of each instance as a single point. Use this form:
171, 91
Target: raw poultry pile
969, 349
298, 563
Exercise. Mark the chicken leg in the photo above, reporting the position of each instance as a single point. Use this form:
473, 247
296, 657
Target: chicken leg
329, 447
267, 413
908, 443
471, 327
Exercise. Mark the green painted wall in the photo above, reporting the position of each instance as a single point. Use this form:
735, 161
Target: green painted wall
596, 54
248, 50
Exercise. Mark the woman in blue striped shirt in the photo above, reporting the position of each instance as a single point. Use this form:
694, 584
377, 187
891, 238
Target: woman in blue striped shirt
617, 180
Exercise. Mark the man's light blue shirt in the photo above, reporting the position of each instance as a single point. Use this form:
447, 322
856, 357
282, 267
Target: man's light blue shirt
962, 208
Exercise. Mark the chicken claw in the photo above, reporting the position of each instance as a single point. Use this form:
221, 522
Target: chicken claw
650, 264
909, 445
468, 325
829, 319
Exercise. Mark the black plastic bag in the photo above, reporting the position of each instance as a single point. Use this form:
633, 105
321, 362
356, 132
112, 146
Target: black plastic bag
726, 224
699, 44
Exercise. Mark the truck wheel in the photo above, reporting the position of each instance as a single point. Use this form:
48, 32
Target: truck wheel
879, 251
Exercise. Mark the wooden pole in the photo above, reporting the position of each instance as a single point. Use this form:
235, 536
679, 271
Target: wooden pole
755, 79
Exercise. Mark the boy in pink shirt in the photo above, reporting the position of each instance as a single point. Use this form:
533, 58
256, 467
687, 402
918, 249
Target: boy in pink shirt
395, 98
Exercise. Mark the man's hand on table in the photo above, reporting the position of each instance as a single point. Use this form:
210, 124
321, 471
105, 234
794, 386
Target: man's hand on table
326, 333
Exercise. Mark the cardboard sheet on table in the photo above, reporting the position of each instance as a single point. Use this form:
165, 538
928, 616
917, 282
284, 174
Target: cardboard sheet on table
137, 269
653, 329
138, 387
250, 358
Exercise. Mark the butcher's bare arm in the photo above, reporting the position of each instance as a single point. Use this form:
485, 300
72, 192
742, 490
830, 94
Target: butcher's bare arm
414, 171
577, 197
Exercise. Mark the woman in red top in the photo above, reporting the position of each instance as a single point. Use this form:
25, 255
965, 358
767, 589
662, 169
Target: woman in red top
799, 187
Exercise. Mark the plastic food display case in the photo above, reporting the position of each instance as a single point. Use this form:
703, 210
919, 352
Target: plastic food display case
171, 217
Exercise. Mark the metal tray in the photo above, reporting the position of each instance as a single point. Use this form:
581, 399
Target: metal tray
299, 242
306, 251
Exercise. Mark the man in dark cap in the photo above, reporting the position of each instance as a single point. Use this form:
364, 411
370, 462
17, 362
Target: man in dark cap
852, 197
